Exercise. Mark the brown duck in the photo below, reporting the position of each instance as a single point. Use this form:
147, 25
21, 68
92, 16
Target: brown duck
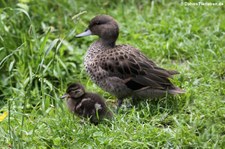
123, 70
85, 104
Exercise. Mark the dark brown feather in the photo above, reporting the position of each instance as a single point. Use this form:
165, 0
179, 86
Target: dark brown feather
142, 72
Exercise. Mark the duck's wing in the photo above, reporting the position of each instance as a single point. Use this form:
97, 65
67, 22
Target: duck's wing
137, 71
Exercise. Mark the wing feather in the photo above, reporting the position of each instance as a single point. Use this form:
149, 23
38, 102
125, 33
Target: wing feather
137, 70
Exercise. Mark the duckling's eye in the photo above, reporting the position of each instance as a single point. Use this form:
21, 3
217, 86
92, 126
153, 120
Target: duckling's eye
75, 91
72, 89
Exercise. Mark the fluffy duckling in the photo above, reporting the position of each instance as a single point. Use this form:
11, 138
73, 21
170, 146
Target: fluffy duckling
123, 70
85, 104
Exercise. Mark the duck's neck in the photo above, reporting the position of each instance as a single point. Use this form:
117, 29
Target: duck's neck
107, 42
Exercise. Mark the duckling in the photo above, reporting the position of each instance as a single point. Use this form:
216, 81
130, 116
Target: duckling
85, 104
123, 70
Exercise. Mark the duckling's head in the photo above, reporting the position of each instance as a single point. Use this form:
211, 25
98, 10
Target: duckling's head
103, 26
74, 91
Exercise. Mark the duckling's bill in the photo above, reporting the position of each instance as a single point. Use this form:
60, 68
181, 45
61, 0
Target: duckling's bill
65, 96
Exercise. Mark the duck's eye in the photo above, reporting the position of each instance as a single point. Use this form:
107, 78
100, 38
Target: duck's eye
98, 23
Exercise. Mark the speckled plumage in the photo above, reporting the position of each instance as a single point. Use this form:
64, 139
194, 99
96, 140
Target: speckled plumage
85, 104
123, 70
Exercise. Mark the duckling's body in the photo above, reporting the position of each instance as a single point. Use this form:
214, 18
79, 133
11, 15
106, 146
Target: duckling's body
85, 104
123, 70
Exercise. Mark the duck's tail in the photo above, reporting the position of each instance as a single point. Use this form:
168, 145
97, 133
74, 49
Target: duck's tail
176, 90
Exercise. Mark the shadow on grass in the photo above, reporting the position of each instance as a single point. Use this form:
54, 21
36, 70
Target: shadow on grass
158, 112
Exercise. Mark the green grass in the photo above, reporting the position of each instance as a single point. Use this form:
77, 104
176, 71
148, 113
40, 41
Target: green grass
39, 56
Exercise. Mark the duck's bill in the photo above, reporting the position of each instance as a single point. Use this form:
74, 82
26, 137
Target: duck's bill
64, 96
86, 33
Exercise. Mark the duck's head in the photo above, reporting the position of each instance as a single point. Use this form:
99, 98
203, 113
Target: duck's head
103, 26
74, 91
